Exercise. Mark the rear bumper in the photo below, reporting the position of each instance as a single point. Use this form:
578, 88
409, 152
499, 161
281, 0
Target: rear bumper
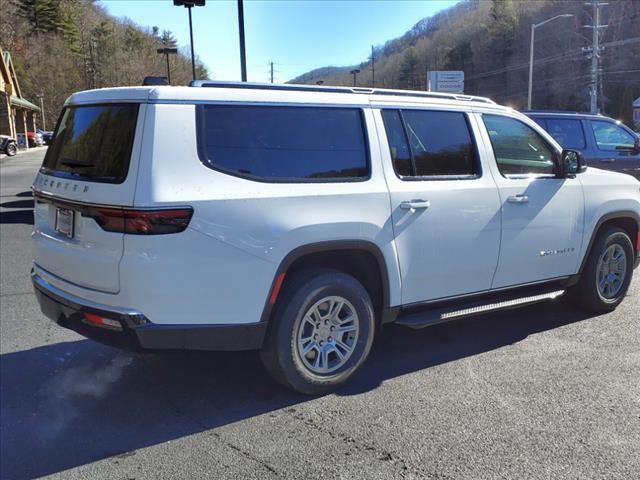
138, 333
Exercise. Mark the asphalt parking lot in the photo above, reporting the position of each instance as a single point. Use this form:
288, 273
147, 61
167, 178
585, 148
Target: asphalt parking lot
541, 392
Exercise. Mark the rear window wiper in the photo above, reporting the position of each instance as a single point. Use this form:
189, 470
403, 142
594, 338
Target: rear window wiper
70, 162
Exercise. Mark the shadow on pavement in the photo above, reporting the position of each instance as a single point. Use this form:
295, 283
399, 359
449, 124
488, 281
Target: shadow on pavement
69, 404
18, 204
17, 216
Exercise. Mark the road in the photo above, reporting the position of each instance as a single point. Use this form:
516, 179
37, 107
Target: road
542, 392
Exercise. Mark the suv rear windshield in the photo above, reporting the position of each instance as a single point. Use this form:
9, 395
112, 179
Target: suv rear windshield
93, 143
284, 143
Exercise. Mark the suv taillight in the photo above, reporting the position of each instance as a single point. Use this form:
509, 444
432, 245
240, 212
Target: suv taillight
140, 222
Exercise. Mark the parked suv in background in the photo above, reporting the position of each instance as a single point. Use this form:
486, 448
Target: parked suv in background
299, 219
604, 142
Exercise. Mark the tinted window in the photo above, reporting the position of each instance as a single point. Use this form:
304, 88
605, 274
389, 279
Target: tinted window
609, 136
439, 143
283, 142
398, 145
93, 143
540, 121
566, 132
517, 147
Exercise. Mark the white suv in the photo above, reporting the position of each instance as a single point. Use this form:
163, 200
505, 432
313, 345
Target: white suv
297, 220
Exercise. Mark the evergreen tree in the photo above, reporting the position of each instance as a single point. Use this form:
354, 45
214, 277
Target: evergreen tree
409, 69
43, 15
168, 39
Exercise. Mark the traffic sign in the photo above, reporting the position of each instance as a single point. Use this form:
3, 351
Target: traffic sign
448, 81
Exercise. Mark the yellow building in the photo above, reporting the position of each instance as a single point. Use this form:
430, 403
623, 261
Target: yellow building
17, 115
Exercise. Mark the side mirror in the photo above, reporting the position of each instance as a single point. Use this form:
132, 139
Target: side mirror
572, 162
636, 146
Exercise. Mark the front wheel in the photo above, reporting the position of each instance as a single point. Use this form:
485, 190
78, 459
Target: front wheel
607, 273
322, 332
11, 149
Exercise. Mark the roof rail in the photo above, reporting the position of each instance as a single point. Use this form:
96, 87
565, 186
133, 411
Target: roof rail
333, 89
569, 112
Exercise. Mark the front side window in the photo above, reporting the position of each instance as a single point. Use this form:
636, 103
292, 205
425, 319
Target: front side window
274, 143
611, 137
426, 143
93, 143
518, 149
567, 132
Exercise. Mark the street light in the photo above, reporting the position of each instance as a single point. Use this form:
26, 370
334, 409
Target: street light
533, 32
243, 53
166, 51
189, 4
354, 73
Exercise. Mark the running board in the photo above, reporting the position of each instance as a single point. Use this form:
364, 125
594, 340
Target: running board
428, 317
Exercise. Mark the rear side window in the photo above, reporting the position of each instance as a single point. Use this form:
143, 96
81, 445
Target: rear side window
567, 132
93, 143
519, 150
430, 143
284, 143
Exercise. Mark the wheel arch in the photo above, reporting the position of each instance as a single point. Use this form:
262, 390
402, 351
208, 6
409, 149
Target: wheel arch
349, 256
628, 220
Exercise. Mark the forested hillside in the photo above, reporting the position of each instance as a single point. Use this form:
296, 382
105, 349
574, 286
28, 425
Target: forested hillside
62, 46
489, 40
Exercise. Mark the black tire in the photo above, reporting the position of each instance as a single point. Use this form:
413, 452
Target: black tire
280, 352
11, 149
585, 293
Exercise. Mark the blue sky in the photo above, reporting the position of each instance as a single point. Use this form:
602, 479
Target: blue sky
298, 35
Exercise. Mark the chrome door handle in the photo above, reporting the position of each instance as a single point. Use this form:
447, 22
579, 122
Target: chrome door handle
518, 199
413, 205
608, 160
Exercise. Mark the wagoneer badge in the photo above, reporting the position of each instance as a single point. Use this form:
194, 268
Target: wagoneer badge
546, 253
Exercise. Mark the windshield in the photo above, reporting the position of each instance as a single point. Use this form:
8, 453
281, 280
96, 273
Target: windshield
93, 143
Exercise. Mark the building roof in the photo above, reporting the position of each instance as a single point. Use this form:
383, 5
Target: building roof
21, 102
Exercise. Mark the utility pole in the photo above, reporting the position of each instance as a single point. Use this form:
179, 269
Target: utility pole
243, 54
271, 63
373, 68
593, 52
44, 122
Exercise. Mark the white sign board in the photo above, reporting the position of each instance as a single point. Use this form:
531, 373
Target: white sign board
451, 81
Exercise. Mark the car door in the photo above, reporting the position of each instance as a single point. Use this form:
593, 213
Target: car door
445, 208
614, 148
542, 215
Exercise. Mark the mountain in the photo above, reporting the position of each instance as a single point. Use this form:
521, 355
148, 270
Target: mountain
489, 40
61, 46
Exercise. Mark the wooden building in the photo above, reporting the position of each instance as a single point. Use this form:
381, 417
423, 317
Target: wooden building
17, 115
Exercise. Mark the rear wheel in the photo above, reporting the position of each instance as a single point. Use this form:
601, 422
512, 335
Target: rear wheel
321, 332
607, 273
